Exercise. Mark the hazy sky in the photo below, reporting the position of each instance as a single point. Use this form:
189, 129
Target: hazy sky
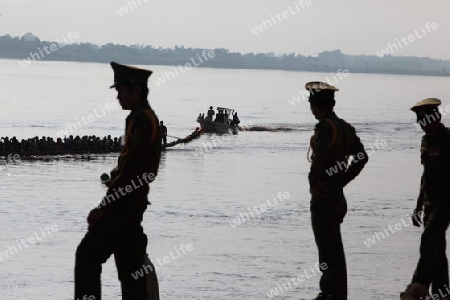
354, 26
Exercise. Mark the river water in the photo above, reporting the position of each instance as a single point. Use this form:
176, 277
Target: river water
205, 187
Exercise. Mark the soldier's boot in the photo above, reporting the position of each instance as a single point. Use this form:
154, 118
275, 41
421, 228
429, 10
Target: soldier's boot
415, 291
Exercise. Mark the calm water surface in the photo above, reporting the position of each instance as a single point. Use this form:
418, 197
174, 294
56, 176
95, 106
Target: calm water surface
197, 196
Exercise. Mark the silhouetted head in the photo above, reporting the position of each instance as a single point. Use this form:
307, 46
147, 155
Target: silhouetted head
131, 85
321, 98
428, 115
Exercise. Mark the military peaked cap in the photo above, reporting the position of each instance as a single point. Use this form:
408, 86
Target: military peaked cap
129, 75
318, 86
426, 104
320, 90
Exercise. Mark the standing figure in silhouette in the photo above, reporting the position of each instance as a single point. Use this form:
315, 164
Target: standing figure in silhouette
433, 204
333, 142
163, 130
236, 120
210, 114
115, 224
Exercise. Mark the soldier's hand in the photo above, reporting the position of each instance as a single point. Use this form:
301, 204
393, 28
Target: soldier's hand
94, 216
319, 191
416, 218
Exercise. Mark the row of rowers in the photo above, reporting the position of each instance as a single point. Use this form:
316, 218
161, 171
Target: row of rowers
47, 145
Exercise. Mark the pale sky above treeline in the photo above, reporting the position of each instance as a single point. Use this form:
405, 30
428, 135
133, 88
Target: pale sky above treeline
305, 27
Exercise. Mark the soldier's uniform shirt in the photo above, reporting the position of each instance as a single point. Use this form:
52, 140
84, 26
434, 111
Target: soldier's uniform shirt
334, 140
140, 155
435, 158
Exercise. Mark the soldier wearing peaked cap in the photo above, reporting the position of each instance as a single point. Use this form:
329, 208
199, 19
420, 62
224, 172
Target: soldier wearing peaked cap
115, 225
433, 204
333, 142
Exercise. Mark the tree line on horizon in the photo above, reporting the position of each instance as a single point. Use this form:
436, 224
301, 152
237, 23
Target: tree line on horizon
22, 48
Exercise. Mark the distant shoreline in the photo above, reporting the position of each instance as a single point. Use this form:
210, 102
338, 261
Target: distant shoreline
29, 49
431, 74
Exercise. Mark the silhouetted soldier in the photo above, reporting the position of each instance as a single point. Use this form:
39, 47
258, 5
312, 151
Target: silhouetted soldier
432, 268
163, 131
333, 142
115, 225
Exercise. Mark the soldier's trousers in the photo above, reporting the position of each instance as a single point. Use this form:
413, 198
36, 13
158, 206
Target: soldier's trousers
432, 267
327, 214
121, 234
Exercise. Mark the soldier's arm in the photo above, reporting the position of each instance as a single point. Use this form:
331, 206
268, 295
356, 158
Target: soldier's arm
417, 212
361, 159
416, 216
419, 203
323, 136
420, 199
